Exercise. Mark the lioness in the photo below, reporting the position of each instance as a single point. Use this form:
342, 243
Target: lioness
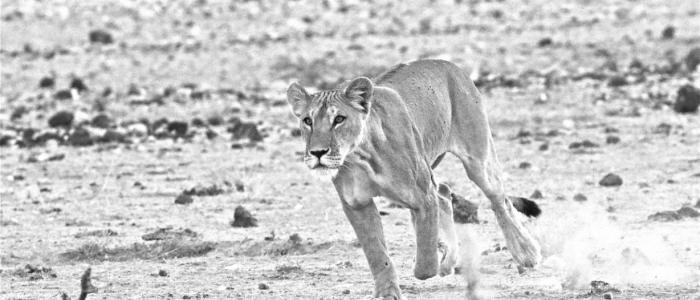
384, 138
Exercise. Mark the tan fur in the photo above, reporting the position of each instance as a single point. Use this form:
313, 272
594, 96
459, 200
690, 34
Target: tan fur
397, 129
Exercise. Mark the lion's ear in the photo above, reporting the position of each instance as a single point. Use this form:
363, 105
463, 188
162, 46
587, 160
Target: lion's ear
359, 92
298, 98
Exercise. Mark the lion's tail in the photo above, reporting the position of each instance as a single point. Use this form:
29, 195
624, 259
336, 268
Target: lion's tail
525, 206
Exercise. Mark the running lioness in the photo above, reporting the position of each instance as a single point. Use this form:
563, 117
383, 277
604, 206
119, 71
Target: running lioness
384, 137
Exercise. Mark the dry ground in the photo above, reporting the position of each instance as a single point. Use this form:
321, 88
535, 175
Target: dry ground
257, 49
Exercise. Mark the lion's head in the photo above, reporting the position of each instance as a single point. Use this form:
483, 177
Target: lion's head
332, 122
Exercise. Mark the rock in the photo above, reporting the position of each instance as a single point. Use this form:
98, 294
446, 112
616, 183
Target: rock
80, 137
668, 33
101, 121
177, 128
61, 119
688, 212
611, 179
243, 218
612, 139
692, 60
583, 144
63, 95
215, 120
544, 147
663, 128
580, 197
99, 36
524, 165
687, 99
47, 82
242, 130
112, 136
78, 85
607, 296
295, 238
263, 286
536, 195
617, 81
197, 122
18, 112
544, 42
665, 216
162, 273
183, 199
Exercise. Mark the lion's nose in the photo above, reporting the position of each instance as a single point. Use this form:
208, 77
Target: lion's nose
318, 153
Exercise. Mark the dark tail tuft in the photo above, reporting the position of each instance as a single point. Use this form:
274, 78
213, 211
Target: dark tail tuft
525, 206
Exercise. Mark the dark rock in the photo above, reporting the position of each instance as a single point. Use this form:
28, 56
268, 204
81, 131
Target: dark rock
99, 36
536, 195
101, 121
525, 165
242, 130
263, 286
162, 273
243, 218
197, 122
663, 128
611, 180
295, 238
47, 82
580, 197
63, 95
544, 42
18, 112
80, 137
583, 144
61, 119
612, 139
688, 212
78, 85
544, 147
692, 60
687, 99
668, 33
617, 81
183, 199
211, 134
177, 128
665, 216
215, 120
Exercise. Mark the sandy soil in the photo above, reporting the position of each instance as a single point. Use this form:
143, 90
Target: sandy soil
242, 55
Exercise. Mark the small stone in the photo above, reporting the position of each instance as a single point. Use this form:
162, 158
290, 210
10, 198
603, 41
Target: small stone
243, 218
80, 137
607, 296
611, 179
215, 120
668, 33
101, 121
612, 139
61, 119
263, 286
47, 82
692, 60
617, 81
183, 199
688, 212
544, 42
525, 165
63, 95
177, 128
536, 195
162, 273
544, 147
580, 197
665, 216
346, 292
99, 36
78, 85
687, 99
197, 122
295, 238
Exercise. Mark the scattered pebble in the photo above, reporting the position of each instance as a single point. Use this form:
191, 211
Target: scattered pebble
61, 119
263, 286
536, 195
687, 99
47, 82
99, 36
524, 165
177, 128
78, 84
183, 199
668, 33
544, 42
168, 233
692, 60
243, 218
617, 81
612, 139
611, 179
580, 197
80, 137
101, 121
162, 273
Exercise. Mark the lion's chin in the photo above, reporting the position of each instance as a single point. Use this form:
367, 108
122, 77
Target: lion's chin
324, 172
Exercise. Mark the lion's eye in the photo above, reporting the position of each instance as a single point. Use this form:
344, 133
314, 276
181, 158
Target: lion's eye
338, 120
307, 121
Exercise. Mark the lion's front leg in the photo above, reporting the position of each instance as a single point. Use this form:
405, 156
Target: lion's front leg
366, 222
425, 222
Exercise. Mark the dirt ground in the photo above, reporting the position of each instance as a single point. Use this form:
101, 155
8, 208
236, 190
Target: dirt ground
574, 89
